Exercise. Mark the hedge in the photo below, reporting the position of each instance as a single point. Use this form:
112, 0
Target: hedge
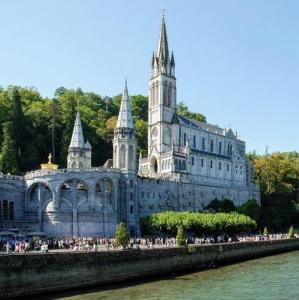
199, 223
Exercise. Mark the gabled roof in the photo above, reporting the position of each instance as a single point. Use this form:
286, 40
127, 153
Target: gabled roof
202, 125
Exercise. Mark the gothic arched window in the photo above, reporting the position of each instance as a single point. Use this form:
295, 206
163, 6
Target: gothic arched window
11, 211
165, 93
5, 210
169, 94
122, 162
166, 136
131, 158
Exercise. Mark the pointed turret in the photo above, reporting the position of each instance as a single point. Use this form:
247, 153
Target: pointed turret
172, 62
125, 119
124, 142
77, 140
79, 154
162, 49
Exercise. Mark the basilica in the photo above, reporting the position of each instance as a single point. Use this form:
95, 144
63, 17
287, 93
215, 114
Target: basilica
189, 163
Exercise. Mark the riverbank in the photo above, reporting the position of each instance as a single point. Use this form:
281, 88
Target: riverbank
27, 274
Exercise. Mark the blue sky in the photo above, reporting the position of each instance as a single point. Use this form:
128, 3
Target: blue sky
237, 62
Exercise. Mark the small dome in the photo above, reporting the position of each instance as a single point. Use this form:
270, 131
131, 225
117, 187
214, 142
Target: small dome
87, 145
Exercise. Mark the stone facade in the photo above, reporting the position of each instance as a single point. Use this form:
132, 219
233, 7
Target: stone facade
189, 163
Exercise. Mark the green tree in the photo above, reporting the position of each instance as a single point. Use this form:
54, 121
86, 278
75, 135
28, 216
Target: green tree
180, 237
183, 110
225, 205
276, 173
8, 161
291, 233
121, 236
266, 232
251, 209
18, 125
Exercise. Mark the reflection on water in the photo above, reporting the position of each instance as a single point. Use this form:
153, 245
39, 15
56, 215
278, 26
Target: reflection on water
274, 277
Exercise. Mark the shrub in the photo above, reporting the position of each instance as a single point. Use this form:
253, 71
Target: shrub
180, 237
266, 232
291, 233
121, 236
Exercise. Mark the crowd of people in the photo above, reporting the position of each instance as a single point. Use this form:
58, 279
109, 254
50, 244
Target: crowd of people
44, 245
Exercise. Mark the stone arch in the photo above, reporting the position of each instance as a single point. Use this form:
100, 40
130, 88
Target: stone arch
105, 195
154, 164
122, 159
74, 165
73, 190
37, 194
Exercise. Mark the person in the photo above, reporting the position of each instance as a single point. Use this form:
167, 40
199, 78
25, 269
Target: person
8, 247
27, 247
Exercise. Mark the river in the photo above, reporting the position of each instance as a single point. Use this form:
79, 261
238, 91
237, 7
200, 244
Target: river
273, 277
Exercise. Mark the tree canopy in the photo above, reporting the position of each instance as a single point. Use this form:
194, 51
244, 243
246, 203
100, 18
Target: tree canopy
43, 125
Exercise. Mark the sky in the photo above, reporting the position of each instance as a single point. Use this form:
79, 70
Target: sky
237, 61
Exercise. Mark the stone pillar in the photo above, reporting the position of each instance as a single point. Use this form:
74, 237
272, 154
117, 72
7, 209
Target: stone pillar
75, 222
40, 196
91, 197
56, 199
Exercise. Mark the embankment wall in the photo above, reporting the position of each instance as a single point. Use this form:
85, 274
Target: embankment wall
35, 273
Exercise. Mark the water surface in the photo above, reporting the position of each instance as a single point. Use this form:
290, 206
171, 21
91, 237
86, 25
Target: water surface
273, 277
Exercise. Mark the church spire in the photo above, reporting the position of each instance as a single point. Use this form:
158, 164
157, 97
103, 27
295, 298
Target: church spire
79, 153
125, 119
77, 140
162, 49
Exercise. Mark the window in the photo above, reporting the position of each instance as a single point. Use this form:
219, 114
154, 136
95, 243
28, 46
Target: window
5, 210
194, 141
185, 139
131, 183
131, 196
131, 209
212, 145
227, 167
203, 144
211, 164
192, 160
220, 166
183, 165
11, 211
202, 162
220, 147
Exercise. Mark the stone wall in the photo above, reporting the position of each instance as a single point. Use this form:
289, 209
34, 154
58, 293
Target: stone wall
37, 273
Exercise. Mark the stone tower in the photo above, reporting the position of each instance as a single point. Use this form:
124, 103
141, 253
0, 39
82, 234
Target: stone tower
79, 153
124, 142
162, 100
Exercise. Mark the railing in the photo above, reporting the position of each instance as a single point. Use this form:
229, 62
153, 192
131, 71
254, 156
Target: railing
38, 173
11, 177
